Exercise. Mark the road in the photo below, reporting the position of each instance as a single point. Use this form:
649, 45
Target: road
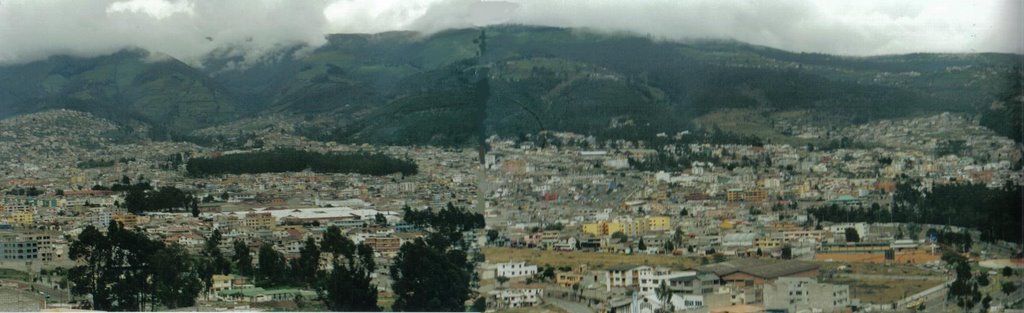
571, 306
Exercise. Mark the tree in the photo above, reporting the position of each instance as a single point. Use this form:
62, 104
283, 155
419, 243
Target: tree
641, 246
479, 305
1007, 271
211, 250
307, 265
501, 280
787, 252
380, 219
759, 252
430, 277
852, 235
242, 258
492, 235
273, 268
548, 273
1008, 287
669, 246
719, 258
175, 277
620, 236
665, 295
124, 270
348, 287
337, 244
982, 279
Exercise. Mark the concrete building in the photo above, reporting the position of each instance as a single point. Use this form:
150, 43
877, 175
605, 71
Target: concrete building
802, 294
515, 269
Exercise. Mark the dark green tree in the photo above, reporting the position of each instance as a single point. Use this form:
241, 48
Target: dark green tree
428, 277
273, 269
242, 258
348, 286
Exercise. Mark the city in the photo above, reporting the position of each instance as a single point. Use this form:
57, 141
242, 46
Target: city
516, 165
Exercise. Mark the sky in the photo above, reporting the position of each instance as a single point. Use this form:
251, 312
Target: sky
253, 29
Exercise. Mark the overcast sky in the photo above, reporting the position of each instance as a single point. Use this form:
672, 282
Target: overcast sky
189, 29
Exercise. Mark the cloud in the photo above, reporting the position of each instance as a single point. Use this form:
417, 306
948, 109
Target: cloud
256, 29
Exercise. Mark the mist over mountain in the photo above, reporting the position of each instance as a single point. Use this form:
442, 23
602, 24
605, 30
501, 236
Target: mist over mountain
410, 88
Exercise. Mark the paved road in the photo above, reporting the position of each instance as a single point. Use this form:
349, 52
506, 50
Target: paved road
571, 306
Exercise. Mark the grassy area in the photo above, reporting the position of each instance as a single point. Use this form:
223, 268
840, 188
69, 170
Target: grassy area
6, 273
752, 122
881, 291
594, 259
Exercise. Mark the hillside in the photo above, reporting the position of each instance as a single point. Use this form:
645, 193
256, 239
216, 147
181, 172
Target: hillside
407, 88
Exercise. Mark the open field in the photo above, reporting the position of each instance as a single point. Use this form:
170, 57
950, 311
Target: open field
595, 260
880, 291
879, 269
752, 122
917, 257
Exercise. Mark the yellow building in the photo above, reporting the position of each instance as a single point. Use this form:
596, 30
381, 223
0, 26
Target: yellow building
23, 218
613, 227
634, 227
593, 229
659, 223
756, 195
259, 220
127, 220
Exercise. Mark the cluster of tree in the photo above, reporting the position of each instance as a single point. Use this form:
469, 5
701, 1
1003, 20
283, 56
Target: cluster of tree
123, 270
836, 213
996, 213
450, 221
166, 198
961, 241
30, 191
91, 163
288, 160
434, 273
965, 290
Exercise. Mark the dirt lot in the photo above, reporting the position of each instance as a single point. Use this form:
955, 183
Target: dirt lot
884, 290
594, 259
917, 257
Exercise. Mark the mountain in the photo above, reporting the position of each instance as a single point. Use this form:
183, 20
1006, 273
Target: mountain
409, 88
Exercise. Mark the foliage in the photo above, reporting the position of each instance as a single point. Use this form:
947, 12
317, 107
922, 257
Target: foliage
288, 160
994, 212
428, 277
450, 221
273, 269
242, 259
124, 270
348, 287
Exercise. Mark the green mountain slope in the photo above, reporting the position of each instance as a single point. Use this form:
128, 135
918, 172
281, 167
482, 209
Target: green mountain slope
408, 88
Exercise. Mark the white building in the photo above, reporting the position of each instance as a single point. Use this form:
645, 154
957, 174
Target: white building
515, 269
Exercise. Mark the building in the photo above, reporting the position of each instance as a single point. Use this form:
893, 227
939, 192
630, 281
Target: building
386, 246
18, 248
259, 220
516, 297
515, 269
659, 223
755, 272
802, 294
256, 295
